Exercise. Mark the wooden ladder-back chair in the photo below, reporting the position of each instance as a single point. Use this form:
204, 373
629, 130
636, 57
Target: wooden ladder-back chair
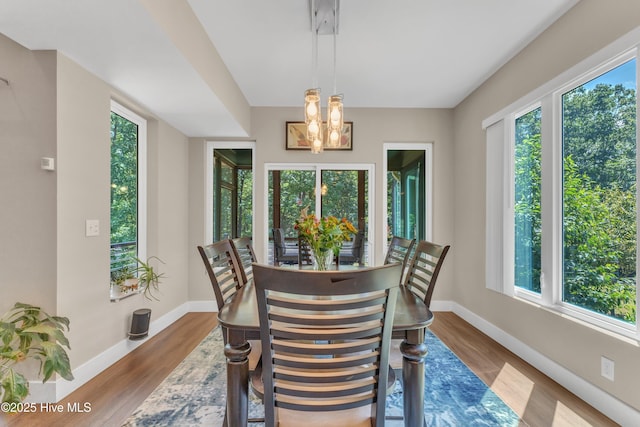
245, 256
325, 344
226, 275
224, 272
424, 268
400, 251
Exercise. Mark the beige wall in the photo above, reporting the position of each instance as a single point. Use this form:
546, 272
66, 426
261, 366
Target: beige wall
574, 346
371, 128
57, 109
83, 193
28, 212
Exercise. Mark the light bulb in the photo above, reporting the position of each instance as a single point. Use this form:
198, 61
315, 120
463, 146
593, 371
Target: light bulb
335, 136
313, 127
335, 115
312, 110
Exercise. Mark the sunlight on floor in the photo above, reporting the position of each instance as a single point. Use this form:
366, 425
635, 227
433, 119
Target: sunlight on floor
564, 416
516, 397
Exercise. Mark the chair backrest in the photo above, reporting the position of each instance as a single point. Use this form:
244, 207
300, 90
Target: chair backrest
224, 271
279, 248
424, 268
325, 338
357, 249
304, 252
244, 256
399, 249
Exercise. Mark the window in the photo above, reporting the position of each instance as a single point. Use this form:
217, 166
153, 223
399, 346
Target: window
561, 194
128, 197
340, 190
528, 186
229, 190
599, 194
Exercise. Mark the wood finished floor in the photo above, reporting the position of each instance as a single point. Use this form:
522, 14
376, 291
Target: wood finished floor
119, 390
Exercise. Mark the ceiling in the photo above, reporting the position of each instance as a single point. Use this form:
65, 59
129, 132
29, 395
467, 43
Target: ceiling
390, 54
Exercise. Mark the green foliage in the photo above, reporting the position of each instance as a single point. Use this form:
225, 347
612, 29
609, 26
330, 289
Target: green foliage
148, 278
599, 200
27, 332
124, 180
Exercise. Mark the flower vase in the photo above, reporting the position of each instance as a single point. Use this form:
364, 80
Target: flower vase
322, 259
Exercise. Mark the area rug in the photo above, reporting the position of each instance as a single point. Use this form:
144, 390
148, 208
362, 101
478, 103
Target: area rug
194, 394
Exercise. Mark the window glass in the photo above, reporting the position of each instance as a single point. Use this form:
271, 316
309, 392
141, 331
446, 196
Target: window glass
527, 217
599, 194
127, 222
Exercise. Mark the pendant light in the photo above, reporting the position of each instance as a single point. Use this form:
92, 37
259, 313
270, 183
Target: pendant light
335, 117
312, 109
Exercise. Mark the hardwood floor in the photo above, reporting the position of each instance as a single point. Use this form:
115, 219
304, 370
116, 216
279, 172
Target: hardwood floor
119, 390
538, 399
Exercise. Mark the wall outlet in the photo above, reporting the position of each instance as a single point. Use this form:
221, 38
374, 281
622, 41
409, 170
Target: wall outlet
92, 228
607, 368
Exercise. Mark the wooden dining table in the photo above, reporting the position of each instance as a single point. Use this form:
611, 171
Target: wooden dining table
240, 317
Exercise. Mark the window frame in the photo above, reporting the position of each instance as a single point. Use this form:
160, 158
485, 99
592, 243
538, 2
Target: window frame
500, 183
142, 143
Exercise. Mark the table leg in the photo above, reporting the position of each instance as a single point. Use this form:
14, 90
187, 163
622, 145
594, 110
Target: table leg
414, 351
237, 352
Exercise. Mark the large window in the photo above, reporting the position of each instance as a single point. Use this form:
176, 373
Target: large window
599, 194
128, 197
561, 194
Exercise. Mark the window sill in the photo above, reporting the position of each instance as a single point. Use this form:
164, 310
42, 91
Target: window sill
116, 294
597, 325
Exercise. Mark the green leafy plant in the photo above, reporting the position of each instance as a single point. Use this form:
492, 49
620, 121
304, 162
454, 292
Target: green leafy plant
148, 278
28, 332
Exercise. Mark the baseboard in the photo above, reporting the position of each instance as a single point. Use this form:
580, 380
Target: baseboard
613, 408
54, 391
203, 306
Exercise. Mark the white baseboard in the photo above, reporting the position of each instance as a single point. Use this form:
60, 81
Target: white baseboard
202, 306
54, 391
615, 409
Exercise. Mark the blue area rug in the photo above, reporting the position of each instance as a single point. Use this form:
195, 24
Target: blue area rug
194, 394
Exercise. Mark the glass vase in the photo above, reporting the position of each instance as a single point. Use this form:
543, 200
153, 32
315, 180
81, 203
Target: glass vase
322, 260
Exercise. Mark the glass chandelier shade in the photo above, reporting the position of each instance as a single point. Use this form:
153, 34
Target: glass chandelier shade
313, 119
335, 121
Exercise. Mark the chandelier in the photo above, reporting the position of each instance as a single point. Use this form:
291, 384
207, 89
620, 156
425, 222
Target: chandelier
327, 10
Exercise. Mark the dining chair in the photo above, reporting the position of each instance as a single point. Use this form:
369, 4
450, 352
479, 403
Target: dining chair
281, 252
224, 272
423, 269
243, 250
325, 344
399, 250
304, 252
226, 275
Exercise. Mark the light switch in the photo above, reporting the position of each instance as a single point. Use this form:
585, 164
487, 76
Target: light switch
92, 228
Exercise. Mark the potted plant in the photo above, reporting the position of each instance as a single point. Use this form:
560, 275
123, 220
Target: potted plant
148, 278
125, 279
28, 332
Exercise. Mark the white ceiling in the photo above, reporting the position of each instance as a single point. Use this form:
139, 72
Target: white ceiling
403, 53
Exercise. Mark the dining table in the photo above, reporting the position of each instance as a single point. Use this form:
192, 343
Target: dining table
240, 317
